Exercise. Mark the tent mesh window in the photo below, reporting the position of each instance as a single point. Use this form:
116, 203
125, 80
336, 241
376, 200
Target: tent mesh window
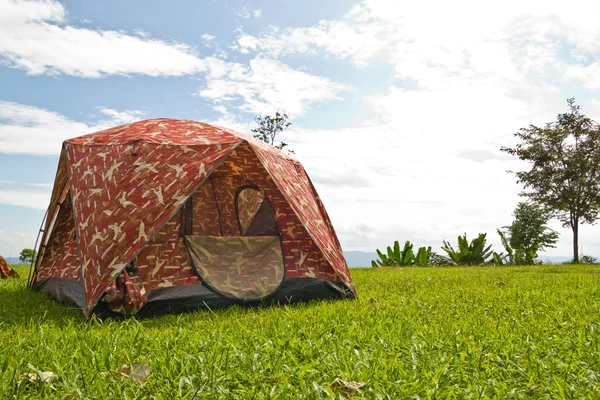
254, 213
247, 267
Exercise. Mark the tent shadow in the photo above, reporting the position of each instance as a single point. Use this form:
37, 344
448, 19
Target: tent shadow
21, 306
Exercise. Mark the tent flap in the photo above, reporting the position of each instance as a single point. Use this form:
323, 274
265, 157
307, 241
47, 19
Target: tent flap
238, 267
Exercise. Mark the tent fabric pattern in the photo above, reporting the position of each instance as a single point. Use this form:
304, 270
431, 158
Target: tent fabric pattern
60, 256
110, 237
128, 196
248, 203
5, 270
291, 177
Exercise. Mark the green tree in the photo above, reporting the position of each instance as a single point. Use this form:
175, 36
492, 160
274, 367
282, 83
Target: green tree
269, 127
474, 253
27, 256
565, 168
528, 234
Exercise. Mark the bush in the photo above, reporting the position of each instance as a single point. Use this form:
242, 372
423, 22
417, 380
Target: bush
396, 257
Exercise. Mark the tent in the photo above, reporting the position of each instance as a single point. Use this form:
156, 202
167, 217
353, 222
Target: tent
163, 216
5, 270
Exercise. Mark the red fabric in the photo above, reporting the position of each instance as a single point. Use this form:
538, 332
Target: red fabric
128, 183
5, 270
60, 259
298, 190
126, 294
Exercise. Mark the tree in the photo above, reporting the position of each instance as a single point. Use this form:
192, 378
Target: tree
528, 234
27, 256
474, 253
269, 127
565, 173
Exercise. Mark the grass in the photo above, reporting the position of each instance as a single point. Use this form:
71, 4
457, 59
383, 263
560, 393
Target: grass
434, 333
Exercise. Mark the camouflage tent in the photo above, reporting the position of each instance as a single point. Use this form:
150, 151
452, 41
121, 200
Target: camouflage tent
5, 270
167, 216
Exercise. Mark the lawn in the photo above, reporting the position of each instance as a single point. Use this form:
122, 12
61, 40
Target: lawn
481, 332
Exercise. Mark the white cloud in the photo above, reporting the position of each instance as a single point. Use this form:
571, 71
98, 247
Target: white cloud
267, 85
121, 117
246, 12
33, 130
384, 183
12, 242
34, 184
207, 37
26, 198
36, 39
337, 38
465, 39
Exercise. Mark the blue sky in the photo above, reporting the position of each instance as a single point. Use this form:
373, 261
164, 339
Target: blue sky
398, 108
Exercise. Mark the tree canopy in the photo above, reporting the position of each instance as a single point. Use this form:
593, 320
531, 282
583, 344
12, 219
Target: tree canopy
27, 256
269, 127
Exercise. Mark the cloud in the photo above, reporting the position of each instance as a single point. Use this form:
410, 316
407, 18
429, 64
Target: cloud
246, 12
121, 117
343, 175
37, 39
266, 85
501, 42
480, 156
12, 242
409, 174
33, 130
26, 198
33, 184
340, 39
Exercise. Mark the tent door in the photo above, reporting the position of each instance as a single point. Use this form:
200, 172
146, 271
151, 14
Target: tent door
244, 268
247, 267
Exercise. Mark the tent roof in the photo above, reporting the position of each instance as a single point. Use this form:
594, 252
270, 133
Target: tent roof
162, 131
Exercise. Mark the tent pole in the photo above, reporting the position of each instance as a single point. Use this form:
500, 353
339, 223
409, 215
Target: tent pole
35, 249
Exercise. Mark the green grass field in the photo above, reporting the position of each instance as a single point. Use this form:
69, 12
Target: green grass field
433, 333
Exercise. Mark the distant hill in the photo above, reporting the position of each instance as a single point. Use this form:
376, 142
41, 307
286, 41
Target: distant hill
13, 260
359, 258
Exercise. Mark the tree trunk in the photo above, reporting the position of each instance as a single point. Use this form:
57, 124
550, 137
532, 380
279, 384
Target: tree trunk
576, 241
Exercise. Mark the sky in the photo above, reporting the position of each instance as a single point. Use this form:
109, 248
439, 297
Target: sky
398, 108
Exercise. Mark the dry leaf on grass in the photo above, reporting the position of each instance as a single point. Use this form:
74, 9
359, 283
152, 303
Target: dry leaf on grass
42, 377
500, 283
138, 372
373, 301
346, 388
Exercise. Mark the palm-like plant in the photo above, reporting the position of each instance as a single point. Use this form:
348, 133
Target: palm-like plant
474, 253
400, 257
